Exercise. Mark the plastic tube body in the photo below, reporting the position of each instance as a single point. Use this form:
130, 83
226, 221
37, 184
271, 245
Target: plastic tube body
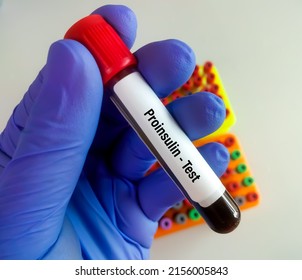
174, 151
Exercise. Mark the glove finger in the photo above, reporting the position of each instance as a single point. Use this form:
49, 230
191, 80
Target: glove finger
10, 136
198, 115
122, 19
37, 183
157, 192
165, 65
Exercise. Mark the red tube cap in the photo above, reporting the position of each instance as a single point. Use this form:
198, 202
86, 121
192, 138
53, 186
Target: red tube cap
103, 42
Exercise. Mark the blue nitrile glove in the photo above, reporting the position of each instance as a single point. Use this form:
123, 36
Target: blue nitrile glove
72, 181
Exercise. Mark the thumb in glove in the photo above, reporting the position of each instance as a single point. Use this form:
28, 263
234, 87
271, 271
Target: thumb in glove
43, 149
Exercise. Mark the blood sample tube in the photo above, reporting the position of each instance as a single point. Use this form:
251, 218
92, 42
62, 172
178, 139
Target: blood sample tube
153, 123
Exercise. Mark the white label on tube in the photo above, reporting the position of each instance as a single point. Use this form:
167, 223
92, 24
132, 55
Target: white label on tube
173, 145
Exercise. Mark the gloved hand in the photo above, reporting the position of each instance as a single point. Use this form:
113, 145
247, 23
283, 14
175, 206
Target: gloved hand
72, 181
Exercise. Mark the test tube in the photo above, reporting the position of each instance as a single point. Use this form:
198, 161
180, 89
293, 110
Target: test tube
144, 111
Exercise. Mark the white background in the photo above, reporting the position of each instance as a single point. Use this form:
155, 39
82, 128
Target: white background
256, 46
